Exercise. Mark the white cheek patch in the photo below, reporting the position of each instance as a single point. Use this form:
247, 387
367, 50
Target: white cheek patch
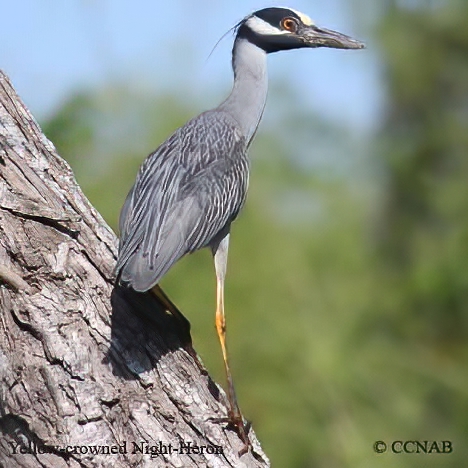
304, 18
262, 27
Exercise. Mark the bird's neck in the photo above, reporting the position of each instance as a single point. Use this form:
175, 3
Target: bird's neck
248, 96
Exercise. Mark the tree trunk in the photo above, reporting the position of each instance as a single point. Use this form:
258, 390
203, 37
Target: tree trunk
91, 375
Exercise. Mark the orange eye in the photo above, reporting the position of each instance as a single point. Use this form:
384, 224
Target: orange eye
289, 24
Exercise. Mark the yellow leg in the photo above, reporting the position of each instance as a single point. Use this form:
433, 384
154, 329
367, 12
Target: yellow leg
221, 329
184, 323
170, 307
234, 415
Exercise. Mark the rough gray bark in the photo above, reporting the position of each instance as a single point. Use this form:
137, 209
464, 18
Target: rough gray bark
82, 364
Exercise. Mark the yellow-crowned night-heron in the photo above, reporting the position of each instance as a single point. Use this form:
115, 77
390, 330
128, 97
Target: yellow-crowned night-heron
189, 191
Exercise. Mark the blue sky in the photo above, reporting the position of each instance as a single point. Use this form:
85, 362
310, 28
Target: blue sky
51, 48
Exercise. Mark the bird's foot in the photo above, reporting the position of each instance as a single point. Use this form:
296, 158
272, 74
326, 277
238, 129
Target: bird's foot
236, 423
193, 354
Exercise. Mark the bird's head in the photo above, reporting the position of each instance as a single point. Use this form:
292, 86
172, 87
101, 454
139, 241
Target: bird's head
275, 29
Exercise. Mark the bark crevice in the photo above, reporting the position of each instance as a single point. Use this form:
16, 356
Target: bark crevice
84, 364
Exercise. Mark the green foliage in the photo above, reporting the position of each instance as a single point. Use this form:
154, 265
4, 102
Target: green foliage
105, 135
427, 197
346, 295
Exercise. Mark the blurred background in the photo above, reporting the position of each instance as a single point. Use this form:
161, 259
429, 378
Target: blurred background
347, 288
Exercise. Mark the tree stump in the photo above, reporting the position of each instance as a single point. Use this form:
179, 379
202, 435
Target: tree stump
91, 375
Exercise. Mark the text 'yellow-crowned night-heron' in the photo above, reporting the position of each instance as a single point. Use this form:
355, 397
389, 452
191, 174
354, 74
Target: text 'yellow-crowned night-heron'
189, 191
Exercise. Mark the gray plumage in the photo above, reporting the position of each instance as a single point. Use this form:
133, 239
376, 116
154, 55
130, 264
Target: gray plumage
188, 191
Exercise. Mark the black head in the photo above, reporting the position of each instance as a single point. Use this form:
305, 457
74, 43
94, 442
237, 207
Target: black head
275, 29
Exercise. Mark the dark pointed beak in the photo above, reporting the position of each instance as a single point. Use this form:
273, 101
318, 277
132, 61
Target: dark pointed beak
313, 36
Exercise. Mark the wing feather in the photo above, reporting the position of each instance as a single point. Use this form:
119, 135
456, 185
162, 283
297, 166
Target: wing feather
186, 192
